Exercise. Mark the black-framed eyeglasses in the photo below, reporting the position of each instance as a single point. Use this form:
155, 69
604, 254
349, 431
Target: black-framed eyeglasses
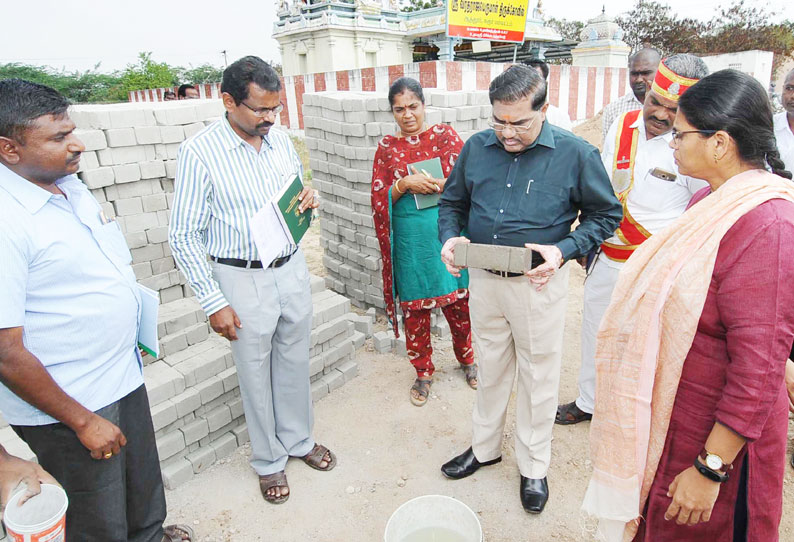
265, 111
678, 135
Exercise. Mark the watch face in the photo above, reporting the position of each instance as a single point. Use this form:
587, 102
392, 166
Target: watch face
713, 462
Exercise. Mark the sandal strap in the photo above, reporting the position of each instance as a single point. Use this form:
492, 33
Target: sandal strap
269, 481
175, 533
422, 387
317, 455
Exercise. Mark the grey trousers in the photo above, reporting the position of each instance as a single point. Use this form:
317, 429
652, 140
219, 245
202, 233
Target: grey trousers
272, 357
110, 500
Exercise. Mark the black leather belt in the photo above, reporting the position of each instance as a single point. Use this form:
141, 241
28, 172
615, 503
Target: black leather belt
250, 264
537, 260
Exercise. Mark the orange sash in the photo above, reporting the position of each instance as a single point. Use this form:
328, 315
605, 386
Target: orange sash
629, 231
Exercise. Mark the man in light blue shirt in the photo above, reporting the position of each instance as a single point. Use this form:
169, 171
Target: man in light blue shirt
72, 381
224, 175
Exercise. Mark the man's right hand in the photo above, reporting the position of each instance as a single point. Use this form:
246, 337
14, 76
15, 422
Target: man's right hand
448, 254
225, 322
101, 437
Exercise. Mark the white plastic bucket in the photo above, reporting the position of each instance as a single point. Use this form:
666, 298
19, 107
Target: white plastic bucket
433, 517
41, 519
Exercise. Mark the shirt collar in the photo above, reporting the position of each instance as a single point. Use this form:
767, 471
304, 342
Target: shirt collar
30, 196
232, 139
545, 138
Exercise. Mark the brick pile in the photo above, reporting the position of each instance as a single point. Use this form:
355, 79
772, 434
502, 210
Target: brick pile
342, 133
129, 165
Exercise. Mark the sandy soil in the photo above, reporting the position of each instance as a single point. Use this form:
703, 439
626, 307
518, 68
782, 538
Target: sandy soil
390, 451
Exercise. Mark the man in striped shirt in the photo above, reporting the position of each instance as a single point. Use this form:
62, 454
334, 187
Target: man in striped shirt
225, 174
642, 69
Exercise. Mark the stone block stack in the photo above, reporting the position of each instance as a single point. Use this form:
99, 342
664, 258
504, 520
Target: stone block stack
129, 165
342, 133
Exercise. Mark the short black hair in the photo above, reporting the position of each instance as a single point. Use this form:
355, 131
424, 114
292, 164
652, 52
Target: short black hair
169, 93
182, 90
517, 82
405, 83
735, 102
247, 70
22, 102
538, 63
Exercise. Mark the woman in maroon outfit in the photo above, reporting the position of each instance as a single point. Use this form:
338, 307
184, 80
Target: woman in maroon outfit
731, 401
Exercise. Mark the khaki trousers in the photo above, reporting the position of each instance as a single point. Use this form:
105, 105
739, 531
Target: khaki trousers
516, 327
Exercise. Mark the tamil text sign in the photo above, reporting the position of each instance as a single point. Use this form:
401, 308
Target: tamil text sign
495, 20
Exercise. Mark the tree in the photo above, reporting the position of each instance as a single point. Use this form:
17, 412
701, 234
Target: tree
569, 30
416, 5
206, 73
148, 74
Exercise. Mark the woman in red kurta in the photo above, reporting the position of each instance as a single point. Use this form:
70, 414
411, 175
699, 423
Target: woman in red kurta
408, 236
718, 473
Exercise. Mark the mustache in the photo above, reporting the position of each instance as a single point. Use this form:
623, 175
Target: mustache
74, 158
665, 122
264, 125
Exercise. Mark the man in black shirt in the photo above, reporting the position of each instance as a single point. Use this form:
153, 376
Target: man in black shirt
523, 183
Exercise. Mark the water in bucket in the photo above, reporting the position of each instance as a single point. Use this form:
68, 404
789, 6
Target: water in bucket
434, 534
433, 518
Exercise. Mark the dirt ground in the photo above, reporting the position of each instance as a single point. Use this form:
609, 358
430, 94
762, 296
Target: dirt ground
390, 452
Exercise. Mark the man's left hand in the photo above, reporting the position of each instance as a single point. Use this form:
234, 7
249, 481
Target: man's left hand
309, 199
693, 497
543, 273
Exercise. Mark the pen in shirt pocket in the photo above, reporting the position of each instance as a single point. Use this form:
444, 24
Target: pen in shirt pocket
529, 183
104, 219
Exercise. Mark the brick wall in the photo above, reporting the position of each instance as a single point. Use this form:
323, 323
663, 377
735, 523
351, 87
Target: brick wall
129, 165
580, 91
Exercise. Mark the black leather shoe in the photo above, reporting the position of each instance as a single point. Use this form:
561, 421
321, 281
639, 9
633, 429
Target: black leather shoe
464, 465
534, 494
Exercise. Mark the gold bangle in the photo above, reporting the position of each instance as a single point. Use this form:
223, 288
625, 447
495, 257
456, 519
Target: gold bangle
397, 187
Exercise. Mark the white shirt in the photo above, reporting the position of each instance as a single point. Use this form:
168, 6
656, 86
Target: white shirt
559, 118
652, 202
785, 140
66, 279
613, 110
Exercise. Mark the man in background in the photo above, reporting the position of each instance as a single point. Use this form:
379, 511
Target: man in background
642, 70
187, 92
784, 123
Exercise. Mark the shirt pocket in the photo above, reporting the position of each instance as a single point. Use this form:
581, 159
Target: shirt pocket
113, 244
543, 204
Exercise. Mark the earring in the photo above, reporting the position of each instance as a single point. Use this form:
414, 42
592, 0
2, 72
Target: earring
715, 158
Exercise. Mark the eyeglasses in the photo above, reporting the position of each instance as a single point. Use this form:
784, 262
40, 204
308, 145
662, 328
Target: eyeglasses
265, 111
678, 135
518, 129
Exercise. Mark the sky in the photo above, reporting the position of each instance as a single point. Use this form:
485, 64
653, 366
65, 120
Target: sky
78, 34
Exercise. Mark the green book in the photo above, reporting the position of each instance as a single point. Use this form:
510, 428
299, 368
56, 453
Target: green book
287, 203
431, 167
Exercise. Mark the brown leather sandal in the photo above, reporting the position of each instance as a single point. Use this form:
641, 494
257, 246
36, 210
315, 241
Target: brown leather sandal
269, 481
178, 533
569, 414
470, 374
315, 458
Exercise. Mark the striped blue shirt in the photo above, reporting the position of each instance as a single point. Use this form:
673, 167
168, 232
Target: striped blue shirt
66, 280
221, 182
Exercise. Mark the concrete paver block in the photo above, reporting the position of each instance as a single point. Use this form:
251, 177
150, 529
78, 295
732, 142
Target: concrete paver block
177, 473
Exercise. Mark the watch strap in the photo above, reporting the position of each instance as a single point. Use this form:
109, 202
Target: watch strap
709, 473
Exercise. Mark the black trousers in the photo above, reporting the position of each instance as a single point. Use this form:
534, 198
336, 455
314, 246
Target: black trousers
110, 500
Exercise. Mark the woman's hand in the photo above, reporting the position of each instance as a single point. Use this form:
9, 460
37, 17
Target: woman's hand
693, 496
420, 184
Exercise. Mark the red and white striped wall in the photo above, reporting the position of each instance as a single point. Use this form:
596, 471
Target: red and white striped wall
581, 91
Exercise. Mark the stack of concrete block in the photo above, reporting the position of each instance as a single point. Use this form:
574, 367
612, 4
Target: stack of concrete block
129, 166
342, 132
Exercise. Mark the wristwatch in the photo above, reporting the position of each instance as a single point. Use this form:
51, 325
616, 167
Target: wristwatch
711, 465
